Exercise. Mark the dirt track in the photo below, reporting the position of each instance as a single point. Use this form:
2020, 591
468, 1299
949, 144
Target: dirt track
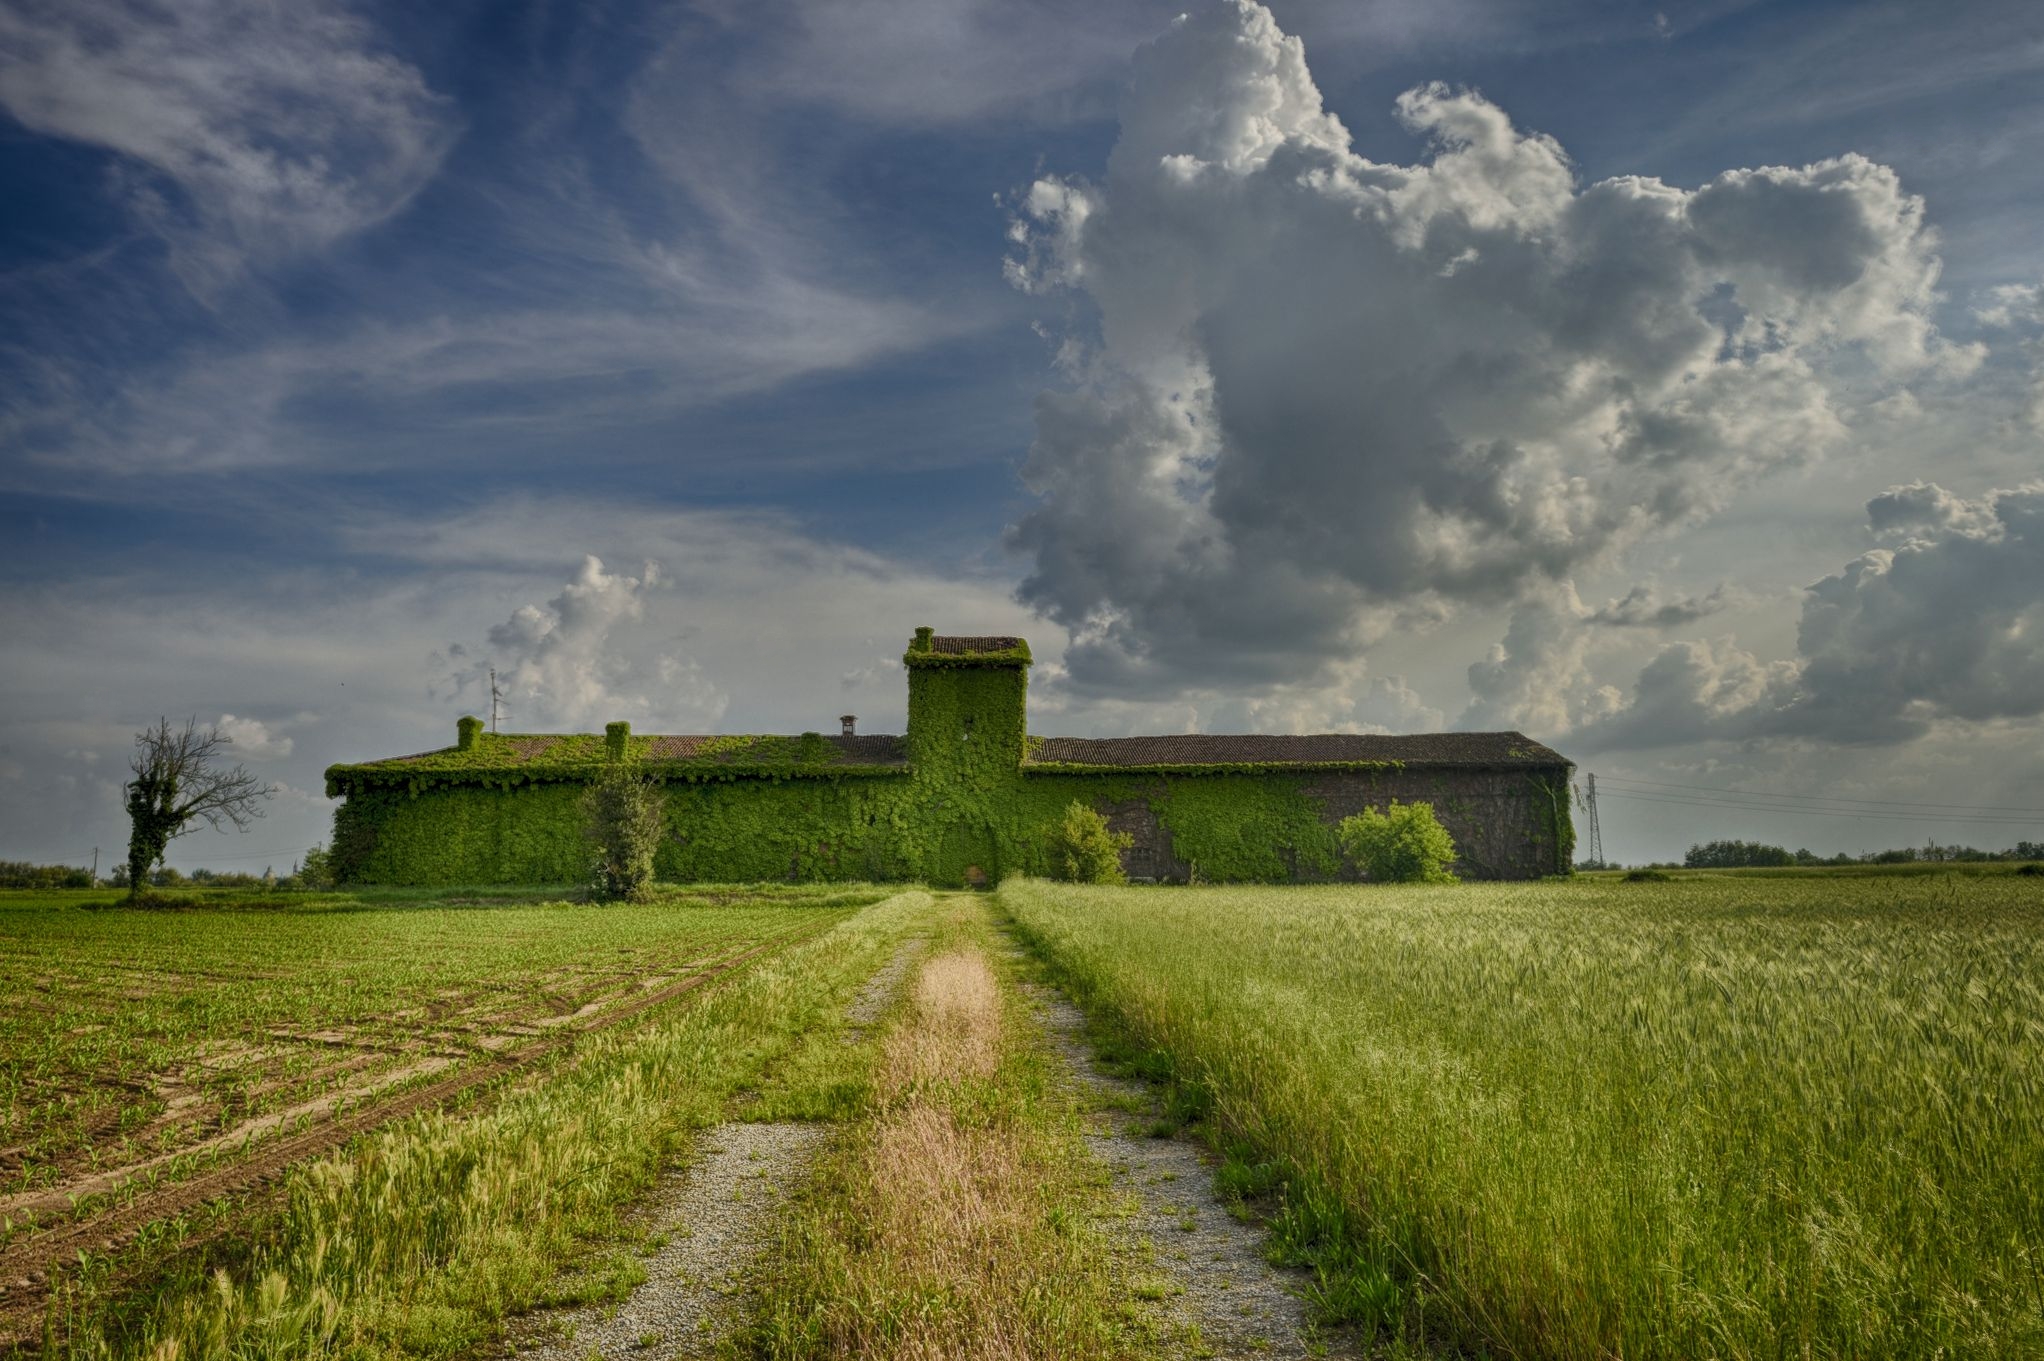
26, 1267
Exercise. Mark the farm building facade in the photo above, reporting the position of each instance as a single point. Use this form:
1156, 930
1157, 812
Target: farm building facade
965, 796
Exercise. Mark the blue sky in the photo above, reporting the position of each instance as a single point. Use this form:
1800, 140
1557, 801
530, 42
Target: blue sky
1261, 382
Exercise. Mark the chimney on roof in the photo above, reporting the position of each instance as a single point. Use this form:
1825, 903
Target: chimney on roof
851, 722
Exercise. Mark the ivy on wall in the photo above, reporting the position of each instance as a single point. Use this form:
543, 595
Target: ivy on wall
965, 809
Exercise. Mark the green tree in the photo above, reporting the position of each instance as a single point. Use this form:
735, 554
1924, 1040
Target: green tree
624, 816
179, 782
1084, 848
1727, 855
318, 870
1404, 844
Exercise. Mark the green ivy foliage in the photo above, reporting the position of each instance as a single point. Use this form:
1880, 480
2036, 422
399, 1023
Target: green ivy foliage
1551, 801
968, 806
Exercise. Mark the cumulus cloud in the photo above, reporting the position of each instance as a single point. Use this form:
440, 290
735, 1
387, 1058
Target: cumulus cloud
1330, 397
252, 738
1538, 677
1645, 607
575, 663
249, 131
1946, 625
2019, 309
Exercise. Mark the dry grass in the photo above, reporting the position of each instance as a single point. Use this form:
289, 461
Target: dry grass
952, 1225
956, 1028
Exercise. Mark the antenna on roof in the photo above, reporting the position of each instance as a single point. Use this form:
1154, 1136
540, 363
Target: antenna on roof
496, 699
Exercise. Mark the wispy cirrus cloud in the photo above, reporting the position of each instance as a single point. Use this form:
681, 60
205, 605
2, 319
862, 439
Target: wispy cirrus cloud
249, 132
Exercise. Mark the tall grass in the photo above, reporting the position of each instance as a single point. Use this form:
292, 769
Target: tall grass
956, 1219
1703, 1118
420, 1237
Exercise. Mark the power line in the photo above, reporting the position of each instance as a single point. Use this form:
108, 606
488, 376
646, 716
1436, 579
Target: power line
1765, 804
1823, 798
1778, 810
1593, 834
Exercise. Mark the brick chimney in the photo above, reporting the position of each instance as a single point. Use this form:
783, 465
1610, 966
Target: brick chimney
851, 722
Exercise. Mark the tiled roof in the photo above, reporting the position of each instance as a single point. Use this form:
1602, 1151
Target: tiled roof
957, 645
1466, 749
513, 750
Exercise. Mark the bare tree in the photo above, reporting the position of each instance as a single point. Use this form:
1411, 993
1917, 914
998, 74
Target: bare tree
178, 782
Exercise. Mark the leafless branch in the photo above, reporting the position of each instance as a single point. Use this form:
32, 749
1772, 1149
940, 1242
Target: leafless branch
177, 770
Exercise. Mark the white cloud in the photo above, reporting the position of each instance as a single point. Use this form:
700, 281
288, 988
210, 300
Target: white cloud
2019, 308
1948, 625
253, 739
1538, 677
253, 131
1330, 397
580, 661
341, 659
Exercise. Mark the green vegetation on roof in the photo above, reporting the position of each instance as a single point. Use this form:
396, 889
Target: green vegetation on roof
507, 759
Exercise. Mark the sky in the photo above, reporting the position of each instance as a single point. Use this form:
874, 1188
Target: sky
1665, 382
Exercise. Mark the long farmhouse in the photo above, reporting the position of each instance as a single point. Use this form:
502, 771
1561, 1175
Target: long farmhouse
964, 797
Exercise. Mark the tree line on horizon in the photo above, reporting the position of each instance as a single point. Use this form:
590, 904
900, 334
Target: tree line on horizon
1726, 854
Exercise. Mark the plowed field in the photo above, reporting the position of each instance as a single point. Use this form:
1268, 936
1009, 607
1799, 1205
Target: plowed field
153, 1061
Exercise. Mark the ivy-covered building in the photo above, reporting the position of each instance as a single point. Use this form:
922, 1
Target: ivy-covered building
965, 796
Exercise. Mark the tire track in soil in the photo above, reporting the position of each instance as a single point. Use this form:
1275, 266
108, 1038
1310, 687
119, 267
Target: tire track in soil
26, 1267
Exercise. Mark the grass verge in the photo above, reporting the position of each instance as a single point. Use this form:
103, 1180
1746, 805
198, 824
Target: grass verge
958, 1219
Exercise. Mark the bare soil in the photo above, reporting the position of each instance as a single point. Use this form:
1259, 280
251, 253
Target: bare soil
26, 1265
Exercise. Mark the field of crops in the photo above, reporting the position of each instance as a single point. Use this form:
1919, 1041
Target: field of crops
154, 1060
1712, 1117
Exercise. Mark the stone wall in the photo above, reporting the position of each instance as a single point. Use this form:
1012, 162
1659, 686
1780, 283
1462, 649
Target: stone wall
1501, 828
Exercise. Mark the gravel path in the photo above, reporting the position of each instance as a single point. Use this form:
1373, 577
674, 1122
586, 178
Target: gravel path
1225, 1297
715, 1211
879, 991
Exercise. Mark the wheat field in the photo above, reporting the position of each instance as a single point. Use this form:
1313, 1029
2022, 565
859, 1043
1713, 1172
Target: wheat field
1712, 1117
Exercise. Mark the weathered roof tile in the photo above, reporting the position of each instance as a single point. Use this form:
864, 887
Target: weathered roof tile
958, 645
1467, 749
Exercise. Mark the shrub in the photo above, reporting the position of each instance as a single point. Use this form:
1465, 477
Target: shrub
1405, 844
623, 815
318, 870
1086, 850
23, 874
1647, 876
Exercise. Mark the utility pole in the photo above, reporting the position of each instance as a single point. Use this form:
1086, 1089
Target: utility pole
95, 864
1595, 833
